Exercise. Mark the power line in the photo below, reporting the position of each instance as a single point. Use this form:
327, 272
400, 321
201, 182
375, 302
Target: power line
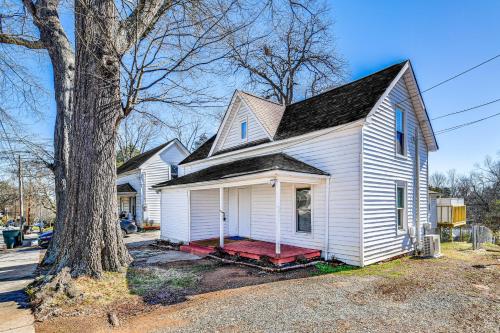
449, 79
468, 109
449, 129
462, 73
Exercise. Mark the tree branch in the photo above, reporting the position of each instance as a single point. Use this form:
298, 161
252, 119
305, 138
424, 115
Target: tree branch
140, 22
20, 41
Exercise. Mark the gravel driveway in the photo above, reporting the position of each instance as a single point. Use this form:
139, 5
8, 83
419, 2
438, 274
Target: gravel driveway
450, 294
459, 292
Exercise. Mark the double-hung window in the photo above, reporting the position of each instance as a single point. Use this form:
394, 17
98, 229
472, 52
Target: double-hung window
303, 209
244, 130
400, 205
400, 132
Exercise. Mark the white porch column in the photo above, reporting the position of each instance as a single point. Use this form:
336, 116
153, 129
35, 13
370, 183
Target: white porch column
221, 217
277, 187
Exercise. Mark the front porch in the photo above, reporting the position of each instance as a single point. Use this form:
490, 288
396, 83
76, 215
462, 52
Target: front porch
252, 249
271, 206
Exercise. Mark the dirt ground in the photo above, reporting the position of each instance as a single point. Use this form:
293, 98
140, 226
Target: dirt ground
459, 292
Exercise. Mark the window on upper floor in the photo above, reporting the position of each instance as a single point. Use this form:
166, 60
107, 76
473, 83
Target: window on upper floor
400, 132
174, 171
244, 130
400, 205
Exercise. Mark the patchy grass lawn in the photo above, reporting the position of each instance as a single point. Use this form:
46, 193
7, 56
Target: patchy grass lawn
458, 292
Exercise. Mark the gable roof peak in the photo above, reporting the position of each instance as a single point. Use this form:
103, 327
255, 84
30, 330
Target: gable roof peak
136, 161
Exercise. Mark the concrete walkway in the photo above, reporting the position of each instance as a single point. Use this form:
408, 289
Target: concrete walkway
16, 272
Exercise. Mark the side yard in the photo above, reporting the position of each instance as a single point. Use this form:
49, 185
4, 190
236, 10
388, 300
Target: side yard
458, 292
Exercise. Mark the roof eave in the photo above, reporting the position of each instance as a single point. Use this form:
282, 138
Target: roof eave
248, 176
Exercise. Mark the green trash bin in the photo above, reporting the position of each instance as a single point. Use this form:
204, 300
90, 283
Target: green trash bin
9, 237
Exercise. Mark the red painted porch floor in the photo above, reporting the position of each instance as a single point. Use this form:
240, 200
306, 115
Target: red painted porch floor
253, 249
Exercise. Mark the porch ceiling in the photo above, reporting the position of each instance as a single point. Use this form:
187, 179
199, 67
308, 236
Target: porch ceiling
258, 167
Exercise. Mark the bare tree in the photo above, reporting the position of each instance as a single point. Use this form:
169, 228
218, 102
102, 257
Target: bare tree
187, 131
135, 135
125, 44
289, 52
437, 180
480, 190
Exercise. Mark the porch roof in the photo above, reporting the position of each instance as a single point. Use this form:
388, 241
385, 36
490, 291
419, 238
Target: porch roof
247, 166
125, 188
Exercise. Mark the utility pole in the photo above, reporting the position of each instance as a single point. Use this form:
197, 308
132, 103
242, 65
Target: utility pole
21, 199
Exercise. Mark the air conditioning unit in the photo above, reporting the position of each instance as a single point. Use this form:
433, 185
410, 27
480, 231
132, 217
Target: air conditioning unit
432, 246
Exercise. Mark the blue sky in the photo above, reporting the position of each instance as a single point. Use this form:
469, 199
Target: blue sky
441, 38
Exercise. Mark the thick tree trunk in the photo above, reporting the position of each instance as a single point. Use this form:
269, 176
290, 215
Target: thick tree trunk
61, 54
92, 238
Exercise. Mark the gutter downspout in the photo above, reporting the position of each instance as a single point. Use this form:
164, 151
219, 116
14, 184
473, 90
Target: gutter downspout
144, 208
417, 194
327, 222
361, 201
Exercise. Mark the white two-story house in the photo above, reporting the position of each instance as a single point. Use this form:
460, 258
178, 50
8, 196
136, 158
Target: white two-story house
136, 176
343, 173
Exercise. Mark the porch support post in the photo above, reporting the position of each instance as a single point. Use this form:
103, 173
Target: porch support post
277, 187
221, 217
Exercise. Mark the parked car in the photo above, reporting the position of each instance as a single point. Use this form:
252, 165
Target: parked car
44, 239
128, 227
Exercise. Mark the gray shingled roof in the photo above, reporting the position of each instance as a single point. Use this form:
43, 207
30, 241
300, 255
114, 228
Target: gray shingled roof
138, 160
338, 106
125, 188
243, 167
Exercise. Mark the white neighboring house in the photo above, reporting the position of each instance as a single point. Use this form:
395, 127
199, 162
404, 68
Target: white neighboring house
344, 172
136, 176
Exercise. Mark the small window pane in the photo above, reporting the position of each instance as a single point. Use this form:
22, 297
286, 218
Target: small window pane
244, 130
400, 219
303, 209
174, 171
399, 120
400, 136
400, 197
400, 143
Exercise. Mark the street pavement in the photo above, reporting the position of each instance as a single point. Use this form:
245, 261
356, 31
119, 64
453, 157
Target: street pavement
17, 268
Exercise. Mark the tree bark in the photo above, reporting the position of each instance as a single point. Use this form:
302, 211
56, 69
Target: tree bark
62, 57
92, 238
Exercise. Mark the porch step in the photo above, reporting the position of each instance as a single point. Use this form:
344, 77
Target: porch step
196, 249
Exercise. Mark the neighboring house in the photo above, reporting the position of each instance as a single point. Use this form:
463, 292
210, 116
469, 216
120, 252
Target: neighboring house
341, 172
433, 197
136, 176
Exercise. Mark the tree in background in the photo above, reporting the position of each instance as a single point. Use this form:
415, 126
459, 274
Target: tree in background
288, 53
480, 189
135, 136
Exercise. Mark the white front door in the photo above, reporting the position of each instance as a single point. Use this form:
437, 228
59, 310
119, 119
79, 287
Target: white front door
232, 213
244, 212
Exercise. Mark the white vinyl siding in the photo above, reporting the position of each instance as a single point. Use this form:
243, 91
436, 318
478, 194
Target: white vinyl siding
255, 131
339, 155
157, 170
205, 214
175, 222
382, 168
336, 153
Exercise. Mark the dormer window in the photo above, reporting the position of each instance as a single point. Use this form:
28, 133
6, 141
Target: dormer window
244, 130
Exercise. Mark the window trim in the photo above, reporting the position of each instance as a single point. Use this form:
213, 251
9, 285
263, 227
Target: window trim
244, 120
295, 187
405, 137
404, 186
